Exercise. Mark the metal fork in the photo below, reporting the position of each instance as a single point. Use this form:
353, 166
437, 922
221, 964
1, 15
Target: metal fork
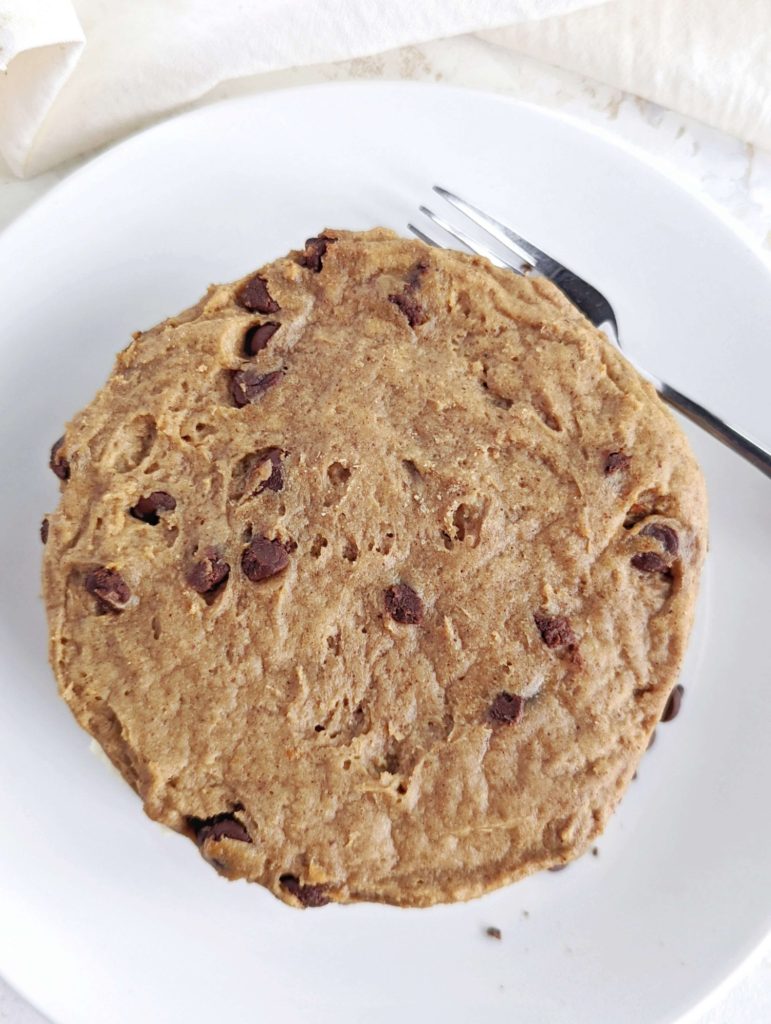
590, 302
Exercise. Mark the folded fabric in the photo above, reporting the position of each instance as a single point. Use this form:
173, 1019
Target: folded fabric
39, 47
705, 58
79, 73
82, 72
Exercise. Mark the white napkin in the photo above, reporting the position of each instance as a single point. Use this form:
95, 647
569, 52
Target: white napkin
710, 59
79, 73
82, 72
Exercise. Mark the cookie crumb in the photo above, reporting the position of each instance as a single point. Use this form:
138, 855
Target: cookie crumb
493, 932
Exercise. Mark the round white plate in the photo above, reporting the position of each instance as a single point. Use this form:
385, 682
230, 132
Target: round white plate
105, 916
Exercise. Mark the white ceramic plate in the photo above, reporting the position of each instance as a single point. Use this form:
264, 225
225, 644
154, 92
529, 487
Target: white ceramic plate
105, 916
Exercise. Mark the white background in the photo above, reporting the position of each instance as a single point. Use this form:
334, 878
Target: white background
731, 172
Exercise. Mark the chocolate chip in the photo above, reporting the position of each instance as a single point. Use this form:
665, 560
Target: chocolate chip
416, 273
555, 631
652, 740
673, 704
256, 338
208, 574
264, 558
663, 533
308, 895
616, 461
221, 826
44, 531
275, 481
406, 300
557, 867
404, 605
507, 708
410, 306
254, 296
649, 561
58, 463
493, 932
109, 588
147, 508
315, 248
247, 386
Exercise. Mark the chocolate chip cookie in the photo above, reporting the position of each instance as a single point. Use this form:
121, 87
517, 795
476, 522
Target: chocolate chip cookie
373, 572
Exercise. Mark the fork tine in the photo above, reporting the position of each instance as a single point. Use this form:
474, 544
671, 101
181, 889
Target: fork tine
424, 237
470, 243
514, 242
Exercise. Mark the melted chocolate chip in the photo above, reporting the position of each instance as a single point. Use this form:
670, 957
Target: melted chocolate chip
649, 561
109, 588
275, 481
256, 338
315, 248
664, 534
410, 306
507, 708
147, 508
247, 386
416, 273
57, 461
673, 704
555, 631
44, 531
264, 558
406, 300
254, 296
308, 895
616, 462
221, 826
209, 573
404, 605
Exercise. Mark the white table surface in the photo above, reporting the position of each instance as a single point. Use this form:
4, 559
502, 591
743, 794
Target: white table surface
733, 174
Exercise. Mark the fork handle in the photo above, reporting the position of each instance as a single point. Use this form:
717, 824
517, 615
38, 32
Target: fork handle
707, 420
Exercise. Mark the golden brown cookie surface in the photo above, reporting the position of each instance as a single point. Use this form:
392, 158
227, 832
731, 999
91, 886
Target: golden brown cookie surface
374, 572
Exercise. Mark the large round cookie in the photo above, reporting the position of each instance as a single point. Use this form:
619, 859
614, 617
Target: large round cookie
373, 572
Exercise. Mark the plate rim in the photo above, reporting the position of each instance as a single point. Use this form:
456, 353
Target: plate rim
660, 165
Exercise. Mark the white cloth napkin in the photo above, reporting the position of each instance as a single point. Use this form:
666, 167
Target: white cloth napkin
82, 72
79, 73
710, 59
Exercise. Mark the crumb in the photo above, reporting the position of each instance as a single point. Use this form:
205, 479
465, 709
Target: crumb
494, 933
526, 913
595, 852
